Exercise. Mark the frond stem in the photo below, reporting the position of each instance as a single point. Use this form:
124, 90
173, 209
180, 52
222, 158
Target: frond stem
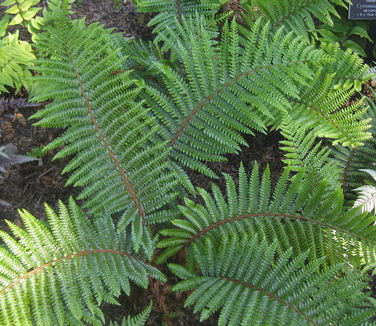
290, 216
110, 152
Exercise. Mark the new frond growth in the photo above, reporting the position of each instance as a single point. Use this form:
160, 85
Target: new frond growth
60, 272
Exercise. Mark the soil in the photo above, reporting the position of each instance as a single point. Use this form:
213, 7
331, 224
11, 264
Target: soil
32, 184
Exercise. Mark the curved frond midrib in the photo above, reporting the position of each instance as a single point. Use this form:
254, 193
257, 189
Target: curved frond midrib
68, 257
288, 216
273, 296
208, 98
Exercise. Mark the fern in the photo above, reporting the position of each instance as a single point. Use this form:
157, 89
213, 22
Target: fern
138, 320
301, 214
328, 111
367, 194
59, 273
171, 12
115, 142
226, 89
241, 278
352, 160
305, 152
297, 16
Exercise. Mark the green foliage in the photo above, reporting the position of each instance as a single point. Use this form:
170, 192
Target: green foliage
352, 35
171, 12
196, 104
243, 279
305, 152
60, 272
23, 10
15, 58
352, 160
297, 16
301, 213
118, 158
138, 320
139, 116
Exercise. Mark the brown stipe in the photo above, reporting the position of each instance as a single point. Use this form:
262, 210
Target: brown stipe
110, 152
290, 216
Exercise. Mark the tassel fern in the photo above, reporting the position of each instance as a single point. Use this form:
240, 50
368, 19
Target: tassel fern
251, 284
301, 214
227, 89
117, 156
60, 272
138, 116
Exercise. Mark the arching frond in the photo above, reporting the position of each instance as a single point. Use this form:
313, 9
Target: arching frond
226, 89
301, 213
118, 157
329, 112
249, 283
60, 272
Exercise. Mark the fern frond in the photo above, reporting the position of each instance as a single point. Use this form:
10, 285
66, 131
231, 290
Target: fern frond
60, 272
226, 89
243, 280
172, 12
305, 152
301, 213
346, 67
353, 160
118, 157
367, 194
297, 16
329, 112
138, 320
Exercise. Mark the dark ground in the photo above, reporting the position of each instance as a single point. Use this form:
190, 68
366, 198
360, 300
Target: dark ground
31, 184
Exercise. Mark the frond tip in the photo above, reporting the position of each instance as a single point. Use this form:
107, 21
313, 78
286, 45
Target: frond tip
241, 278
367, 194
60, 272
138, 320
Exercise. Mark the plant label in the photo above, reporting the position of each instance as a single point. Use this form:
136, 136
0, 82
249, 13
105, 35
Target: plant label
362, 9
